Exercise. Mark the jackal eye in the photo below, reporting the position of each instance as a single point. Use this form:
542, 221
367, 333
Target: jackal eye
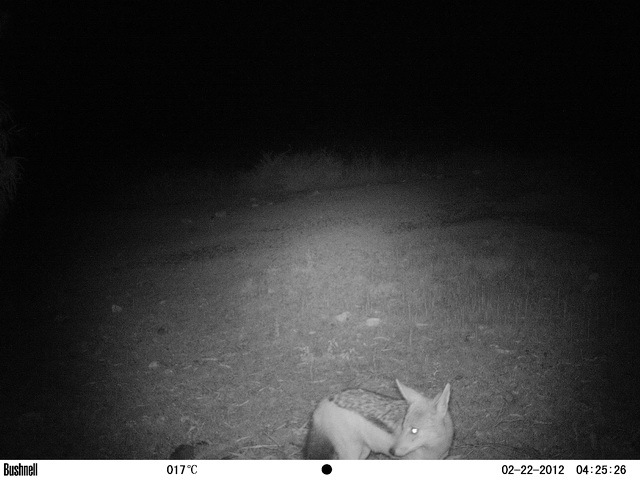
414, 430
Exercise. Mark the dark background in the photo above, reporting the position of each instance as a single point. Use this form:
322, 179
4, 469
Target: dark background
107, 95
100, 87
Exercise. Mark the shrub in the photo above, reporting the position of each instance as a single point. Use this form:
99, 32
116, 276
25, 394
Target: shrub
10, 168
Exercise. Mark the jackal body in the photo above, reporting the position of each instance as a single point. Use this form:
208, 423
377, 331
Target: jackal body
353, 423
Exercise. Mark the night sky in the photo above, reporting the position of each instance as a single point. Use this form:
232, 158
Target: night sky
137, 83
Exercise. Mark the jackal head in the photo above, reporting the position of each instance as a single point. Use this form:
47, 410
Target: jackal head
427, 429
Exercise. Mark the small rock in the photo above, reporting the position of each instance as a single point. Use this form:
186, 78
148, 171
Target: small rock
183, 452
373, 322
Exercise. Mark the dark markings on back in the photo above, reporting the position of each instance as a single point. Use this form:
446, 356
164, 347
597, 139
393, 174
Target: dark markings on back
385, 412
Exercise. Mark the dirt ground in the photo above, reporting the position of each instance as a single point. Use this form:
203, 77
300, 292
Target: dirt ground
219, 323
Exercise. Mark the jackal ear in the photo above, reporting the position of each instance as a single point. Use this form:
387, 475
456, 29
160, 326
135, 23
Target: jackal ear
409, 394
442, 403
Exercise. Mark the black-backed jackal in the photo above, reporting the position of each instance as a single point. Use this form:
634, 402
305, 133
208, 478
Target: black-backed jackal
353, 423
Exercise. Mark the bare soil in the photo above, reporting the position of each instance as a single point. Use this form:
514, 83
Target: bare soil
215, 322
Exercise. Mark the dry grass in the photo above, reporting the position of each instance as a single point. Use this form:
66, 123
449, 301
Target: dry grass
320, 169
